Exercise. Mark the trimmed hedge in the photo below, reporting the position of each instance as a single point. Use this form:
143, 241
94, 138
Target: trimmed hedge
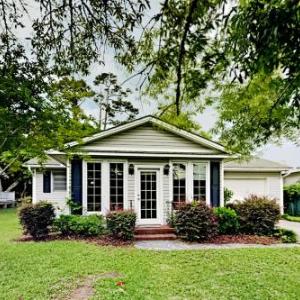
36, 219
69, 225
195, 222
228, 220
121, 224
257, 215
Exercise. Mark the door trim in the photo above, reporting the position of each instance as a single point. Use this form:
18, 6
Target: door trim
159, 202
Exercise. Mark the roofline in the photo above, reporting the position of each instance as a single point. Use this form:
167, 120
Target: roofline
241, 169
156, 121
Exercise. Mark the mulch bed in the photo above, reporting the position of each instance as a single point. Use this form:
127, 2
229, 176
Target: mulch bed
104, 240
244, 239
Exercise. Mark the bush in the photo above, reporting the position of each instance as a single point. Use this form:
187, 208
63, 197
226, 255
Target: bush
228, 194
92, 225
257, 215
287, 236
36, 219
121, 224
195, 222
228, 222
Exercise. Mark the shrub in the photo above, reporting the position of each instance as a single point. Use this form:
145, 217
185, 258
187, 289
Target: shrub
258, 215
287, 236
121, 224
228, 222
195, 222
228, 194
36, 219
91, 225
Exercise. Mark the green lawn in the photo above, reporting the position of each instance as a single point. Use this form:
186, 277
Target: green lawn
47, 270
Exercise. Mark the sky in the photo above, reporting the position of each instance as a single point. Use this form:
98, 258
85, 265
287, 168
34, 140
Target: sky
287, 153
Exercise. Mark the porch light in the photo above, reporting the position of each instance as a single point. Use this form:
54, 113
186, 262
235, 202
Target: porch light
166, 169
131, 169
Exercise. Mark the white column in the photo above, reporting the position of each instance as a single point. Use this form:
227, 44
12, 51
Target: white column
33, 172
281, 195
105, 197
189, 182
84, 187
69, 192
221, 183
208, 189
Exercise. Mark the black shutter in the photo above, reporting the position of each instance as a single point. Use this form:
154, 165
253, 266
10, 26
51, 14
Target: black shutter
215, 183
76, 184
47, 182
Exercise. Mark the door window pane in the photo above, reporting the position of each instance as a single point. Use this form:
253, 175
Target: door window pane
94, 186
148, 194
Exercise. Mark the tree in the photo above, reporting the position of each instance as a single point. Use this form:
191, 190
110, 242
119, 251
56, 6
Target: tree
260, 46
72, 34
33, 118
111, 99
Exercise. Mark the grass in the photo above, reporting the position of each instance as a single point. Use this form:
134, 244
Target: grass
50, 270
291, 218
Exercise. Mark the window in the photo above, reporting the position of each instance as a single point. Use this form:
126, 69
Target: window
199, 182
59, 180
116, 186
94, 186
179, 184
47, 182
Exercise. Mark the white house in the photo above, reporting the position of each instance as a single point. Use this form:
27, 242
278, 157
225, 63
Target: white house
292, 176
147, 165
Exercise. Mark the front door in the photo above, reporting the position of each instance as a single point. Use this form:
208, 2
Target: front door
148, 197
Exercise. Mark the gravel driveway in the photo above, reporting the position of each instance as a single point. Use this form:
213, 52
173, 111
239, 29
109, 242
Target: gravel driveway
295, 226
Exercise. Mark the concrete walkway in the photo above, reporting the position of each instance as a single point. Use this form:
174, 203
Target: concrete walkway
295, 226
180, 245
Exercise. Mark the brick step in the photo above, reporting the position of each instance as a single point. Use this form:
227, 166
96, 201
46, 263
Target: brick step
155, 237
154, 230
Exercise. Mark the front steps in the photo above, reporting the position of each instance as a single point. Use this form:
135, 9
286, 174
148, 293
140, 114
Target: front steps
149, 233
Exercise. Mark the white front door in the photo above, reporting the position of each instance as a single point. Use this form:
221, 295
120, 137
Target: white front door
149, 197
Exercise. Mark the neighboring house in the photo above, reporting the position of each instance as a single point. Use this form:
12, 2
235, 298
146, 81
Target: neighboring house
292, 176
257, 176
147, 165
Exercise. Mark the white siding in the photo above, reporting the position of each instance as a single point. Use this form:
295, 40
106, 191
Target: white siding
147, 139
292, 178
57, 198
245, 183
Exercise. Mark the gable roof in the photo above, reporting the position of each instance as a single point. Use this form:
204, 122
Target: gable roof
50, 162
255, 164
154, 121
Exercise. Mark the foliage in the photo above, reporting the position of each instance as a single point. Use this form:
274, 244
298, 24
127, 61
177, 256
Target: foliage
228, 194
91, 225
121, 224
71, 35
74, 207
287, 236
36, 219
195, 222
258, 215
291, 191
228, 221
25, 200
111, 99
